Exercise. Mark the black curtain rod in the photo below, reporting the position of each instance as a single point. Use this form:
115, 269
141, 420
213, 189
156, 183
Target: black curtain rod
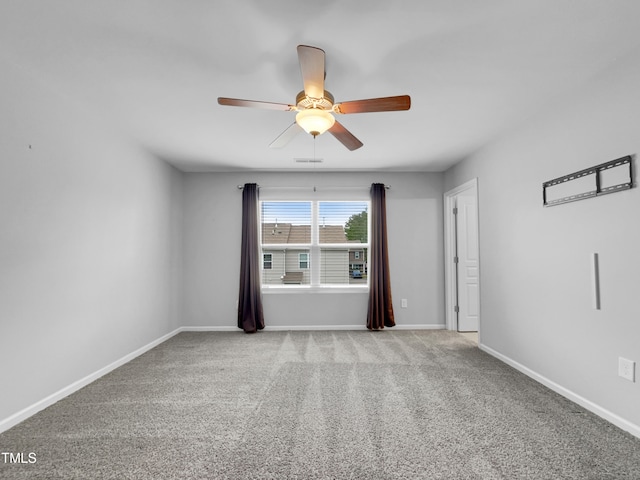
240, 187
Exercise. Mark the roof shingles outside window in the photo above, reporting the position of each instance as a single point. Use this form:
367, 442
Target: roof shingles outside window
283, 233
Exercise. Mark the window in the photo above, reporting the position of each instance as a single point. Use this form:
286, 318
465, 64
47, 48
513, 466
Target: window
314, 243
303, 261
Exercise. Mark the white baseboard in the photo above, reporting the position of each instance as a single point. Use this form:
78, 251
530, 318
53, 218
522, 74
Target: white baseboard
611, 417
25, 413
210, 329
284, 328
350, 327
280, 328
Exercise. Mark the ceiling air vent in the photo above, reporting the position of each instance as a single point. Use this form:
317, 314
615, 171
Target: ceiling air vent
308, 160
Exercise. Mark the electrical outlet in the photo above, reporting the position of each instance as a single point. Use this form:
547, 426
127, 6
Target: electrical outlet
404, 303
627, 369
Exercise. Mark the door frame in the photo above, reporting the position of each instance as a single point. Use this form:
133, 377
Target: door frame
449, 249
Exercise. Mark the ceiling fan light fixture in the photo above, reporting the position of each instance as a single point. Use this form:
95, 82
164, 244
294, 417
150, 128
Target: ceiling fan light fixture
315, 121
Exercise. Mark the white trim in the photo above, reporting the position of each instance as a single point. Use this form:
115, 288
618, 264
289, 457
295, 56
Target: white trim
611, 417
449, 276
325, 288
473, 183
225, 328
449, 248
25, 413
280, 328
275, 328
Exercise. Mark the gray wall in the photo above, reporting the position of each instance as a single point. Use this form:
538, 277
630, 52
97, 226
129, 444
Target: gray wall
535, 262
89, 243
212, 250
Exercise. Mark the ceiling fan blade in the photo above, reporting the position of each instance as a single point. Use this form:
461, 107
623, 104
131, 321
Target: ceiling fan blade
286, 136
384, 104
312, 67
237, 102
345, 136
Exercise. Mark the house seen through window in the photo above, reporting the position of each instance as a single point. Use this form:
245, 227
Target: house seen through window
314, 243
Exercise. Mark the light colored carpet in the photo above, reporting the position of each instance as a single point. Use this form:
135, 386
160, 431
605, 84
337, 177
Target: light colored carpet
473, 336
305, 405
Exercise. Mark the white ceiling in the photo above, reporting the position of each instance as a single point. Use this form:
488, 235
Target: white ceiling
474, 69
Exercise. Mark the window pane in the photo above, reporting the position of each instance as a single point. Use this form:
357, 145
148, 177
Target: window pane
286, 266
286, 222
340, 266
343, 222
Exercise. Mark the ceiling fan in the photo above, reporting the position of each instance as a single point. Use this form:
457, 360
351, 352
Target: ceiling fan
316, 106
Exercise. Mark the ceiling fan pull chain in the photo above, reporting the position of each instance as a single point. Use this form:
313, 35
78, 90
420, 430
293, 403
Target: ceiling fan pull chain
314, 159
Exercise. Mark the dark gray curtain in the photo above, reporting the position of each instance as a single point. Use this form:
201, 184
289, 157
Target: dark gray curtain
250, 316
380, 312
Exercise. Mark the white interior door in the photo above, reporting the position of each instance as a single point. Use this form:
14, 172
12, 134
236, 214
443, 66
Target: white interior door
467, 253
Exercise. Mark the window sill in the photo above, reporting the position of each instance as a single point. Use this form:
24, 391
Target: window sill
302, 289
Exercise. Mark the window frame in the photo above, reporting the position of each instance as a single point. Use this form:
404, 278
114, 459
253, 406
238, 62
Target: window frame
265, 261
314, 250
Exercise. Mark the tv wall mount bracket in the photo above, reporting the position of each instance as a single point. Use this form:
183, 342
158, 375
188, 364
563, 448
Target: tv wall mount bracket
609, 177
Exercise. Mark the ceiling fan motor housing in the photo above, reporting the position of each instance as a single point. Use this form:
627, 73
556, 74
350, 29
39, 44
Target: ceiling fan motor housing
325, 103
